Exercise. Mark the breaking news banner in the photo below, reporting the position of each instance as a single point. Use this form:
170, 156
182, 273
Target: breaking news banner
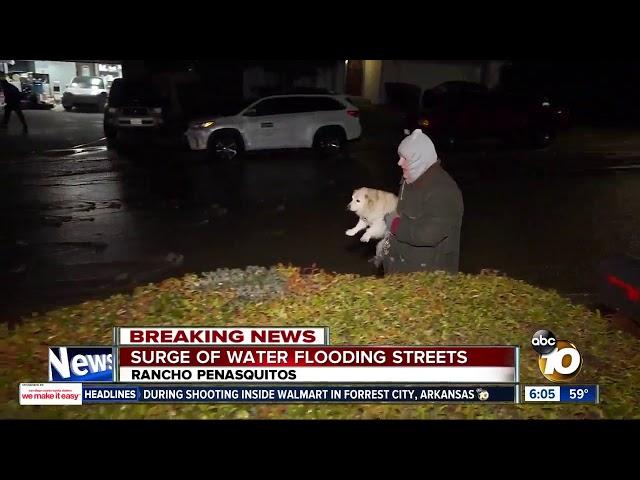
221, 336
336, 364
78, 394
562, 393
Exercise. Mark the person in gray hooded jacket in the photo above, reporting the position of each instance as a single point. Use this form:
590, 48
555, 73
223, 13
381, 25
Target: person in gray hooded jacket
425, 232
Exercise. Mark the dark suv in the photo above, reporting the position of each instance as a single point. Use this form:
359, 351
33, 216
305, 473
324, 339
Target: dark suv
133, 105
457, 111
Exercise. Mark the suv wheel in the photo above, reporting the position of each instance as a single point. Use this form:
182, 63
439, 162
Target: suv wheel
330, 140
225, 145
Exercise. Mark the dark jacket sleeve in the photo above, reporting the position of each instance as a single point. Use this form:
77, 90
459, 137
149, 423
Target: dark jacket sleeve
440, 212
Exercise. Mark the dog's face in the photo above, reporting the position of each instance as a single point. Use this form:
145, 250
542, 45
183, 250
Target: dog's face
359, 200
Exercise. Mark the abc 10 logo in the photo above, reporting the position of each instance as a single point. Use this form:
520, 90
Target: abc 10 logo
558, 360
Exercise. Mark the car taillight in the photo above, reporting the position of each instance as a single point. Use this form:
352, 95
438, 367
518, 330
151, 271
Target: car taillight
353, 113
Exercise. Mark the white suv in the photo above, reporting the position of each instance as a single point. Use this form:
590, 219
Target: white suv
85, 90
324, 122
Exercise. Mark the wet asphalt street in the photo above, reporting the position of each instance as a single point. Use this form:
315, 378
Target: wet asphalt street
86, 222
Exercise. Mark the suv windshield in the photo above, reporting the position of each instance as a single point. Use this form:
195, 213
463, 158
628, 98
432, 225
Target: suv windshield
129, 92
225, 107
87, 82
197, 102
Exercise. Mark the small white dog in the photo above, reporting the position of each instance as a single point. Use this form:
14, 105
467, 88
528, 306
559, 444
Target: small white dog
371, 206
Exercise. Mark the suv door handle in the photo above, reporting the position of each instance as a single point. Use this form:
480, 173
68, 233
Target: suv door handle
266, 125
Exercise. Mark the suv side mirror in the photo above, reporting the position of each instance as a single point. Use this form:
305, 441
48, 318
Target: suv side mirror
250, 113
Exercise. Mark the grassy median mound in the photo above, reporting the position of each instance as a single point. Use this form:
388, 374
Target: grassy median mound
414, 309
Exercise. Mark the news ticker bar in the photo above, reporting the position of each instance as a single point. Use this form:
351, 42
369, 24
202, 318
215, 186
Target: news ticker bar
83, 394
79, 394
562, 393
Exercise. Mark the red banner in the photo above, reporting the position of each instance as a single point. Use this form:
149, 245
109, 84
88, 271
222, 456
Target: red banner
339, 356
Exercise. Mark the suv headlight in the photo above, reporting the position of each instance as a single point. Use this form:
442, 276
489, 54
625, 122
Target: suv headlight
156, 110
206, 124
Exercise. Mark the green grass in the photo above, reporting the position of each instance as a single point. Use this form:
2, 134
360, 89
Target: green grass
415, 309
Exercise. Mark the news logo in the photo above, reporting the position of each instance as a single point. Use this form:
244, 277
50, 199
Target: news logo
483, 394
80, 364
558, 360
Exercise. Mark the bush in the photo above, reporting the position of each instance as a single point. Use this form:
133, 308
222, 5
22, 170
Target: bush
414, 309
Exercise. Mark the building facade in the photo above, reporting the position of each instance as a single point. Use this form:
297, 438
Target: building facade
371, 79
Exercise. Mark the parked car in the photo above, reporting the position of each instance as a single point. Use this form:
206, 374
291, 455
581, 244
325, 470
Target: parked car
132, 105
85, 91
458, 111
322, 121
153, 107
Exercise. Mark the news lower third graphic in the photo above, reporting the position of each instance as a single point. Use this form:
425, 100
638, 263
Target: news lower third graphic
297, 365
